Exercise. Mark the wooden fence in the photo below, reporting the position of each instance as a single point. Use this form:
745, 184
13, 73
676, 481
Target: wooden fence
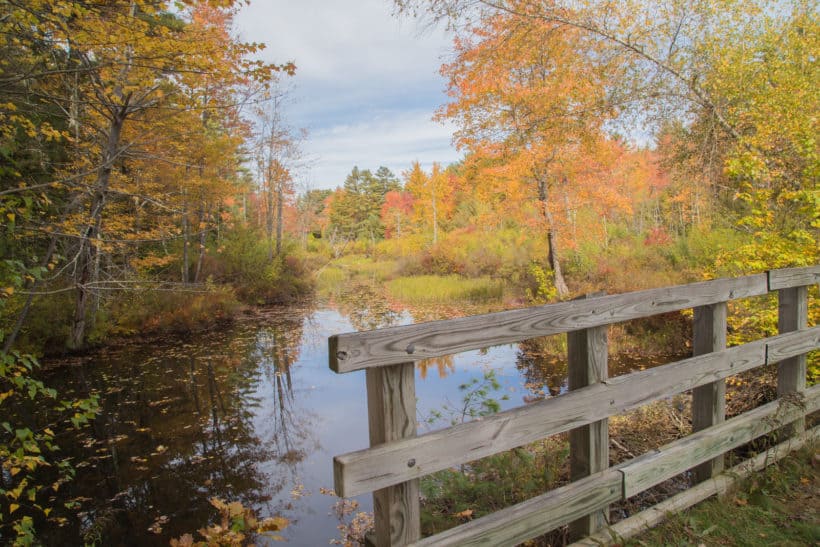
397, 457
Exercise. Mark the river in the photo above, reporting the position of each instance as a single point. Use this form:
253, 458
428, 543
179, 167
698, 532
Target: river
249, 413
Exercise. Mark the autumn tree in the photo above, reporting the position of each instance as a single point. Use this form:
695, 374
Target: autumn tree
396, 212
527, 95
429, 192
739, 77
121, 76
277, 155
310, 207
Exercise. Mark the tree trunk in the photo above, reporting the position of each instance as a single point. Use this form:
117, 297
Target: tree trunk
552, 253
280, 199
87, 251
435, 217
203, 234
186, 235
269, 210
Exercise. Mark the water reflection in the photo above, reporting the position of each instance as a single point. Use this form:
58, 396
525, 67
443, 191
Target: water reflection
252, 414
366, 306
544, 371
444, 366
179, 425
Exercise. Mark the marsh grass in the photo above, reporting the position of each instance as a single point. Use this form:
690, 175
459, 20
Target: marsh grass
336, 276
450, 288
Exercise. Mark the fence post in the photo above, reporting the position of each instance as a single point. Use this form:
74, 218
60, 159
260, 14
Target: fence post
709, 401
391, 415
792, 314
589, 444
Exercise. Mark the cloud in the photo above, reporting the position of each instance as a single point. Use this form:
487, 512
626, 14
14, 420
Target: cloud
366, 83
344, 42
392, 139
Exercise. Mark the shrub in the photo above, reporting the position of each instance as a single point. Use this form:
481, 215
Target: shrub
242, 261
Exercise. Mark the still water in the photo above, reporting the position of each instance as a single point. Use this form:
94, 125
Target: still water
251, 413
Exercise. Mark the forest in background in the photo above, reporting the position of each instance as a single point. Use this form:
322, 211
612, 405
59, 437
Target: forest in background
147, 171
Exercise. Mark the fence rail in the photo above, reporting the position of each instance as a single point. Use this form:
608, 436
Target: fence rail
397, 457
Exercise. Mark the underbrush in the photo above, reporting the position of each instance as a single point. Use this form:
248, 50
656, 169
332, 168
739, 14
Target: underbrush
173, 311
454, 496
242, 261
47, 325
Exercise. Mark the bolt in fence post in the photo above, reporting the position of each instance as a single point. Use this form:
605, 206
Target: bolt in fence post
792, 314
589, 444
709, 401
391, 413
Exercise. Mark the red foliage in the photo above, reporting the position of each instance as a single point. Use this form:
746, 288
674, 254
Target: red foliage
657, 236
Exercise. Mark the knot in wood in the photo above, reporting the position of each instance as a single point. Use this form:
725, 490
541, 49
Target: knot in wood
341, 355
410, 349
411, 462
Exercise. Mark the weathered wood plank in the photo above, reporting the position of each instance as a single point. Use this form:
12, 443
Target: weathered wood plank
360, 350
588, 444
709, 401
791, 344
793, 277
653, 468
391, 411
792, 315
536, 516
722, 484
377, 467
365, 470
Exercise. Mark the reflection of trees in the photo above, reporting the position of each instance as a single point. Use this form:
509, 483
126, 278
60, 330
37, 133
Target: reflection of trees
445, 365
543, 364
177, 427
543, 369
366, 305
278, 348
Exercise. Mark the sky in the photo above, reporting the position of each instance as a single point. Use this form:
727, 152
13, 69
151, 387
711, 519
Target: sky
366, 84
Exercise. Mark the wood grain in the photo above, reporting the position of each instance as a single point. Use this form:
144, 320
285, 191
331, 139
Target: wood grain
360, 350
588, 444
544, 513
709, 401
793, 277
391, 410
639, 523
792, 344
792, 315
366, 470
653, 468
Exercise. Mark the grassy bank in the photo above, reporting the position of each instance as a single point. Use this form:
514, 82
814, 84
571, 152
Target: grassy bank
778, 506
